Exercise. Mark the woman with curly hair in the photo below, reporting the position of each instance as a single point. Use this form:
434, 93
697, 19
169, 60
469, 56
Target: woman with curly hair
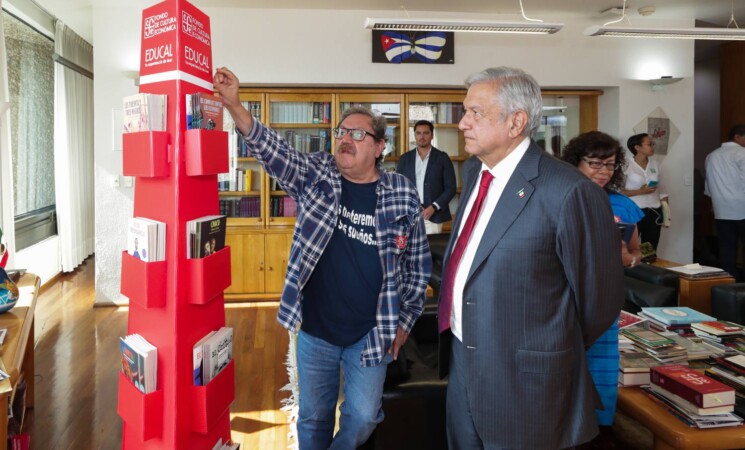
600, 157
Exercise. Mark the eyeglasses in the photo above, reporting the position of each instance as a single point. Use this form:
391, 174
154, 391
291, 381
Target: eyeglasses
357, 135
597, 165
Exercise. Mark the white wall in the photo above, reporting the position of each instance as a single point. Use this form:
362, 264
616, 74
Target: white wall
42, 258
331, 48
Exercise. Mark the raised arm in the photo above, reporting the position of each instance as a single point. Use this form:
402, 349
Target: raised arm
226, 84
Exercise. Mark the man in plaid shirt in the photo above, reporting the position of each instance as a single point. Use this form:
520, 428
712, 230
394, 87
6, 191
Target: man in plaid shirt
358, 269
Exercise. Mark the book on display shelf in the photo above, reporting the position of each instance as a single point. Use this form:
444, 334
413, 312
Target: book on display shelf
206, 235
144, 112
693, 386
218, 352
139, 362
198, 359
204, 111
146, 239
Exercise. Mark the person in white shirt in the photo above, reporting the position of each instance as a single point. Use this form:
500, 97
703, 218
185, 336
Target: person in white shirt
644, 186
725, 184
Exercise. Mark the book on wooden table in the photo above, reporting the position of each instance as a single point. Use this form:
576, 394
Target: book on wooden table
719, 327
646, 337
627, 319
675, 315
692, 386
698, 271
633, 378
690, 407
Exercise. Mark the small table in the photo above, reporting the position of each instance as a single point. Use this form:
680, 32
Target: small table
17, 352
670, 432
695, 293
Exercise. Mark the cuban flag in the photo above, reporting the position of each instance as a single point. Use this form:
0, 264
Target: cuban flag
424, 47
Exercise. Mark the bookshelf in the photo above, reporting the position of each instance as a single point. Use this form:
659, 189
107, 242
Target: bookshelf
260, 244
174, 302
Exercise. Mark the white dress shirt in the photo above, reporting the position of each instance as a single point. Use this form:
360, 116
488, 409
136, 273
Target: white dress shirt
420, 169
502, 173
725, 181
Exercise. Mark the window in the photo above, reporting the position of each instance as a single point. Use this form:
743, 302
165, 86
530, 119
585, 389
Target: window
31, 85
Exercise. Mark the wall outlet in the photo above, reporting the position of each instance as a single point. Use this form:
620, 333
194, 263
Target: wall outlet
128, 181
688, 180
115, 181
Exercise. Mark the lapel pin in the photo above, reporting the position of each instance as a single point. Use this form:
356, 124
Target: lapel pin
521, 193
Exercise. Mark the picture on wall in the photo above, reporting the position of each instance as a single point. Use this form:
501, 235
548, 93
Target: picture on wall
396, 47
661, 129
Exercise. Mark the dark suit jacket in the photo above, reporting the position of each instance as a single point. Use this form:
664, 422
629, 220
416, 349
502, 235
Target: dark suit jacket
439, 180
546, 282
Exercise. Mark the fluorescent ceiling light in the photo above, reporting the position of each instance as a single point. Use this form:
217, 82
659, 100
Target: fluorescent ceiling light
462, 26
715, 34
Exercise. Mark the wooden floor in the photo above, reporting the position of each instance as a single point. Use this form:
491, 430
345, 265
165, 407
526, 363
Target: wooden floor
77, 364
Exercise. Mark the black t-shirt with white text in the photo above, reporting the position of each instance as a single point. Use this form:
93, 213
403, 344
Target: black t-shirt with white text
340, 300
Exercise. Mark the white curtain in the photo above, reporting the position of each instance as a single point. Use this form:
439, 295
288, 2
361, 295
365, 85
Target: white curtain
73, 148
6, 167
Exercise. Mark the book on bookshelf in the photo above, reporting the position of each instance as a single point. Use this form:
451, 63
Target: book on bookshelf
206, 111
144, 112
206, 235
217, 353
198, 359
675, 315
139, 362
146, 239
693, 386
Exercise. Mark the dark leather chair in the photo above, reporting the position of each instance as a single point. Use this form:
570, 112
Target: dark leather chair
728, 302
647, 285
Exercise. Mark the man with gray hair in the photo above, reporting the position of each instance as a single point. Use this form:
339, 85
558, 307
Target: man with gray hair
358, 268
532, 277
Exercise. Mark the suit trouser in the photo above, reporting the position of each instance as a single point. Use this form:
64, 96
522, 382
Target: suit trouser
461, 431
729, 232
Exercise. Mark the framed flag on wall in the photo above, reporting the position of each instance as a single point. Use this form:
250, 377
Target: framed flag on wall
413, 47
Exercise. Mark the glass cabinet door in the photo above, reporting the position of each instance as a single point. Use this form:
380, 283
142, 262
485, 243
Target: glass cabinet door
240, 188
390, 107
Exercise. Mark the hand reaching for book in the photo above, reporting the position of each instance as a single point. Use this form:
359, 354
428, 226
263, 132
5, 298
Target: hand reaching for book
226, 84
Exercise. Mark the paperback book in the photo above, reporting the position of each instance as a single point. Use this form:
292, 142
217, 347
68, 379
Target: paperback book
692, 386
206, 235
146, 239
217, 353
139, 362
675, 315
145, 112
198, 359
204, 111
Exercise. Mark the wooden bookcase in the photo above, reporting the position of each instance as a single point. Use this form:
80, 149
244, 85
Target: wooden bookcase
260, 244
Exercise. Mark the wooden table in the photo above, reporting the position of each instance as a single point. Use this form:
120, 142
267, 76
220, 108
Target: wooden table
694, 293
17, 352
670, 432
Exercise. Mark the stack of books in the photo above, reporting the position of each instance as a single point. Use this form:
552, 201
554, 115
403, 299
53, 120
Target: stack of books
212, 354
634, 368
731, 371
727, 334
203, 111
674, 318
695, 398
659, 347
139, 362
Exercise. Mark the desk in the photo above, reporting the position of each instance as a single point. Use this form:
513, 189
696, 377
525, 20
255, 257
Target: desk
17, 352
695, 293
670, 432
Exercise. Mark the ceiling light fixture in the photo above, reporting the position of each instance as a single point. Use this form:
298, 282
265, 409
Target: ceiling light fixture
702, 33
530, 26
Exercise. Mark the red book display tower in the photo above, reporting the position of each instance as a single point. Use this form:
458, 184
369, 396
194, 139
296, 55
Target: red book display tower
175, 302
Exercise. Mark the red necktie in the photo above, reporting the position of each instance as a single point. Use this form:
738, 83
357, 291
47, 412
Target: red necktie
446, 298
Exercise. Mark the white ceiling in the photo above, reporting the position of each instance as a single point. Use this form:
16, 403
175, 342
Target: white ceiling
77, 13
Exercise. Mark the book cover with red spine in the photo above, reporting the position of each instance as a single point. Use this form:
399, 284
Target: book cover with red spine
692, 386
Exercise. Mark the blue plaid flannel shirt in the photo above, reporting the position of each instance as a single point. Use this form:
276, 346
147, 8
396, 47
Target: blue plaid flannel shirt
314, 182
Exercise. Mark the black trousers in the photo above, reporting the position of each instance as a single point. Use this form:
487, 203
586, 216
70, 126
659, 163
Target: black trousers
649, 227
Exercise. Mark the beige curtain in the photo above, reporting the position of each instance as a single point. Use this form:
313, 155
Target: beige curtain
73, 146
6, 166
